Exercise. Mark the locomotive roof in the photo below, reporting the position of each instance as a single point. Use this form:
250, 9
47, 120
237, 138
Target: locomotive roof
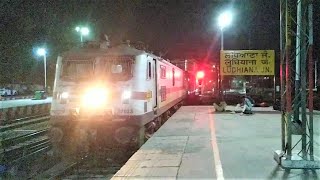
123, 50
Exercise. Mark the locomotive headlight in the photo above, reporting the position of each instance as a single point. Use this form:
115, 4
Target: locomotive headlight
126, 94
64, 95
95, 97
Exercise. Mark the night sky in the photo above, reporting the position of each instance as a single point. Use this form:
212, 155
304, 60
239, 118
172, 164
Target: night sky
179, 28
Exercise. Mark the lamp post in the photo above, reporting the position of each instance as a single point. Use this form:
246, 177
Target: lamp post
224, 20
43, 52
83, 31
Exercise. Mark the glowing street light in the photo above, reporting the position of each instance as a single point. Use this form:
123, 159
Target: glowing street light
224, 20
43, 52
83, 31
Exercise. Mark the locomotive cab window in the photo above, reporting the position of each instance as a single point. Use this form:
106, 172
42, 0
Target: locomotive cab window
173, 77
118, 68
77, 69
163, 72
149, 70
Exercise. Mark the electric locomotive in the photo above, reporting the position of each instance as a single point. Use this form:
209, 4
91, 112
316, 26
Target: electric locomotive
116, 96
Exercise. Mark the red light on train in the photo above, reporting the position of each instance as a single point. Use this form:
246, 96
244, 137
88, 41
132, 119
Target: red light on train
200, 74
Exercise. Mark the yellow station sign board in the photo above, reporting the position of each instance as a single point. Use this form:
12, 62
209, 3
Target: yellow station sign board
247, 62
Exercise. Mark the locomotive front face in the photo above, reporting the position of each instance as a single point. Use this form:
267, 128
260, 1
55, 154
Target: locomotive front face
89, 88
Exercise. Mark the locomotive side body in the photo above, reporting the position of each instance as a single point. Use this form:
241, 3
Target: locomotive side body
171, 85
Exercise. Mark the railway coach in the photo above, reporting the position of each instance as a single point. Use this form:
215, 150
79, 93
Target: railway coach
117, 96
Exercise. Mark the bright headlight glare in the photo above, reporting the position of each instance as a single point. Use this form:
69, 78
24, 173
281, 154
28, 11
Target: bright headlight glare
95, 97
126, 94
64, 95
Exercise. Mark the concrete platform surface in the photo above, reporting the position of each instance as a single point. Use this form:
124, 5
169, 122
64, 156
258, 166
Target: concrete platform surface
197, 143
23, 102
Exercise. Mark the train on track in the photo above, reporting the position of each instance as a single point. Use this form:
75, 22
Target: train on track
114, 96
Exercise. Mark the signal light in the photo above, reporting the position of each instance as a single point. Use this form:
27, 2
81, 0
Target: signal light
200, 74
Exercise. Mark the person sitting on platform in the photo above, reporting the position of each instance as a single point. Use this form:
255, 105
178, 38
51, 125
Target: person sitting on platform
247, 105
221, 107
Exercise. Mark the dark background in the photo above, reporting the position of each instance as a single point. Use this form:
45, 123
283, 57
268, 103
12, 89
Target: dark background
176, 28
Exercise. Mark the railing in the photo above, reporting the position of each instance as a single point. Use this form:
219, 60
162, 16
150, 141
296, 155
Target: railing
9, 115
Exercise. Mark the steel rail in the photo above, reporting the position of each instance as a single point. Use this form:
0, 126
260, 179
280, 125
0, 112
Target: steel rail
25, 147
19, 139
23, 119
24, 123
23, 152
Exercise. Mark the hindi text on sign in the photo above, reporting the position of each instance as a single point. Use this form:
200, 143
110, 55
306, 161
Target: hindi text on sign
247, 62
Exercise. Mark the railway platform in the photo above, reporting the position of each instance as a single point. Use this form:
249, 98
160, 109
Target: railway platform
23, 102
198, 143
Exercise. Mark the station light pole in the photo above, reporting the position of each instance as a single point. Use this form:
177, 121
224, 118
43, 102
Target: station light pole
224, 20
43, 52
83, 31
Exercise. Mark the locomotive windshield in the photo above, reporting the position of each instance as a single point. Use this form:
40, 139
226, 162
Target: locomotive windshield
76, 70
111, 68
118, 69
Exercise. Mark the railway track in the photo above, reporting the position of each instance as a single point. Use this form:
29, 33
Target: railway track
22, 141
25, 119
22, 122
95, 165
24, 151
84, 172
